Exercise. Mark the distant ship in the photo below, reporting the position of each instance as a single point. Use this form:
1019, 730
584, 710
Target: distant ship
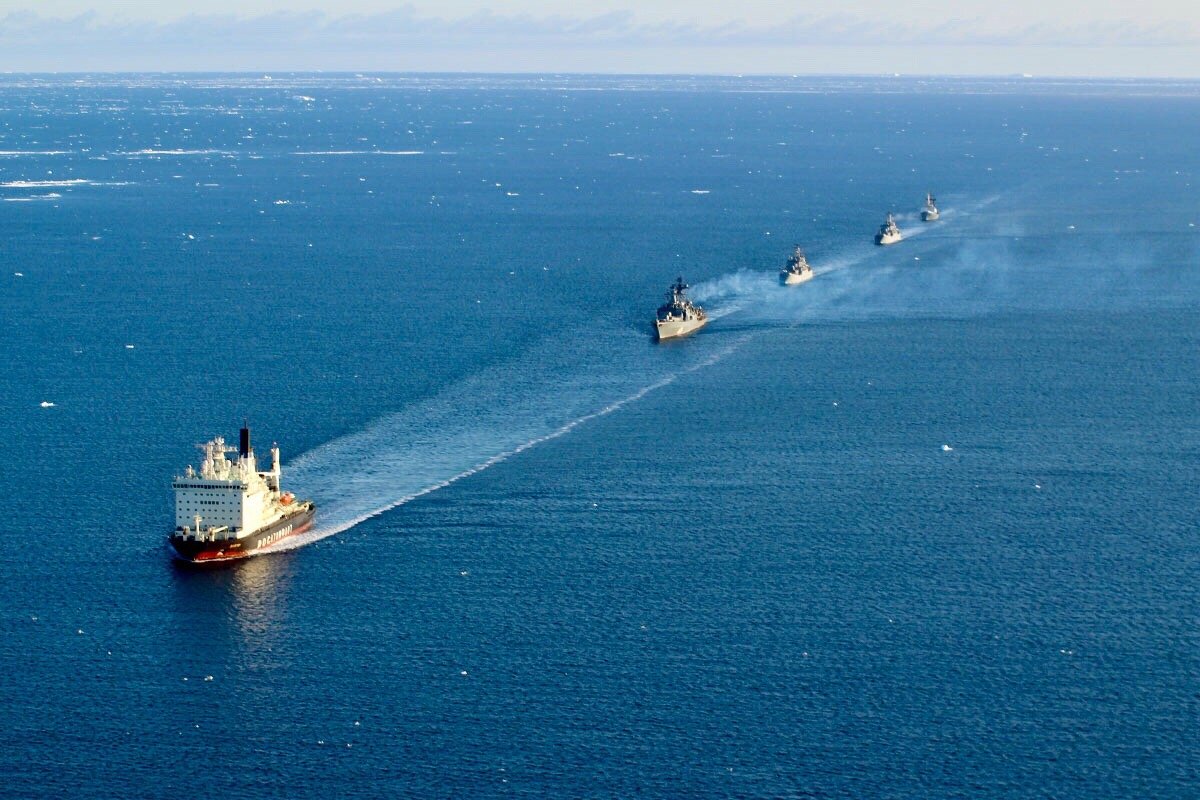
678, 316
888, 232
231, 510
929, 213
797, 269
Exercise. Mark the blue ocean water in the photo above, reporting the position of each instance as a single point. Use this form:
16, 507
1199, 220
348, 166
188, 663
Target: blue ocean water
922, 527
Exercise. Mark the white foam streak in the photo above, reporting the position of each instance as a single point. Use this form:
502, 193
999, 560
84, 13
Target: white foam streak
172, 152
757, 291
34, 198
44, 184
52, 184
475, 425
359, 153
970, 264
505, 411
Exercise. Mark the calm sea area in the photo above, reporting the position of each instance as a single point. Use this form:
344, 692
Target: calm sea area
925, 526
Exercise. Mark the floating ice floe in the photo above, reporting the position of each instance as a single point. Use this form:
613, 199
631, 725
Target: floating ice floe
34, 198
44, 184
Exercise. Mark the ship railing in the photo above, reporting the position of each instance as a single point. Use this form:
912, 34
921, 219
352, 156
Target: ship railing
220, 534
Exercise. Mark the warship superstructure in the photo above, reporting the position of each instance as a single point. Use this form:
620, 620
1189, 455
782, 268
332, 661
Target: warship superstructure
929, 213
679, 316
797, 269
228, 509
889, 232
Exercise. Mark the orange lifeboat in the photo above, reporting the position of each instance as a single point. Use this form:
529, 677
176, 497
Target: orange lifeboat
286, 499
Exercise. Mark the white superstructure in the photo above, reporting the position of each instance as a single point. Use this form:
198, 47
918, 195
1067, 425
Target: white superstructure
929, 213
678, 316
797, 269
228, 499
889, 232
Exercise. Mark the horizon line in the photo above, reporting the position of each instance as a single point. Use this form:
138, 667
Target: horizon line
266, 72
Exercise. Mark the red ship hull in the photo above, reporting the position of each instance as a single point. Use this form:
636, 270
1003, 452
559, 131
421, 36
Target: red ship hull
205, 552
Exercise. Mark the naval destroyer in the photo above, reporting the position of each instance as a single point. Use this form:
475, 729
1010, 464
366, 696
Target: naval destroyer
889, 233
228, 509
797, 269
678, 316
929, 213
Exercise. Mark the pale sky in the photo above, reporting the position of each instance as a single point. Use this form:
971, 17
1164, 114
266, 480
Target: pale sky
1045, 37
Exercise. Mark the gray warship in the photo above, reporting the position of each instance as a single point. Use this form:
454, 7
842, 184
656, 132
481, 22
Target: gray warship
679, 316
889, 233
929, 213
797, 269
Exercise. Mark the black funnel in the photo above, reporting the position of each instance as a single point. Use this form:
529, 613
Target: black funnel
244, 446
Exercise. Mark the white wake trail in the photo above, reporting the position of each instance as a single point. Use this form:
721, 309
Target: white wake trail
853, 268
475, 425
547, 393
